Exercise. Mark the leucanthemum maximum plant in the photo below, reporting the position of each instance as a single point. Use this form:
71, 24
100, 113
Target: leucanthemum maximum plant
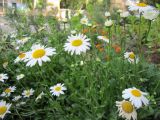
39, 54
77, 44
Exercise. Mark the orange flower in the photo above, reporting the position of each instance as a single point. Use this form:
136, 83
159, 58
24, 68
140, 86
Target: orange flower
98, 46
85, 31
117, 48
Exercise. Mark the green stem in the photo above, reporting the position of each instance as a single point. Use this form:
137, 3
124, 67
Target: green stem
149, 29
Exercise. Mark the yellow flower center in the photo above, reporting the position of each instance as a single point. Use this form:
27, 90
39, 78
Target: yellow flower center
58, 89
3, 109
22, 55
141, 4
127, 107
8, 90
77, 43
136, 93
28, 93
84, 21
132, 55
38, 53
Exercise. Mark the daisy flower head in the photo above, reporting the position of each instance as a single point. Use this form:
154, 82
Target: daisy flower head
151, 14
131, 57
107, 14
108, 23
38, 54
3, 77
7, 92
136, 97
104, 38
16, 98
40, 96
124, 14
4, 108
23, 40
126, 110
58, 89
27, 93
73, 32
84, 21
20, 76
21, 57
140, 7
77, 44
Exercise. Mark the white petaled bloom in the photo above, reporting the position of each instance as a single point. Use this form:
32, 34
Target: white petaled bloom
40, 96
119, 10
107, 14
104, 38
7, 92
73, 32
131, 57
140, 7
27, 93
151, 14
126, 110
136, 97
16, 98
20, 76
89, 24
58, 89
3, 77
5, 64
21, 57
108, 23
77, 44
124, 14
4, 108
84, 21
23, 40
38, 54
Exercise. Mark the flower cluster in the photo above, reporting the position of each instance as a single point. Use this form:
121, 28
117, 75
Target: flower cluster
133, 99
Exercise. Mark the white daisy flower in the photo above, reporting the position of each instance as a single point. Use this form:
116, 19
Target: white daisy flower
119, 10
124, 14
108, 23
104, 38
27, 93
131, 57
16, 98
20, 76
107, 14
84, 21
40, 96
73, 32
126, 110
151, 14
77, 44
5, 64
136, 96
141, 7
22, 40
21, 57
58, 89
38, 54
4, 108
7, 92
3, 77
